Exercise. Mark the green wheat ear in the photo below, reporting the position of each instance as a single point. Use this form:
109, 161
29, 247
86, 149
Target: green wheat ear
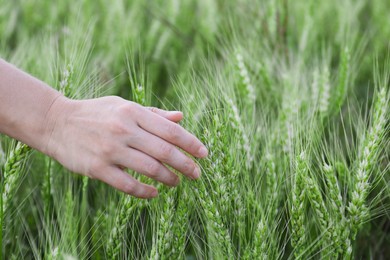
12, 172
131, 208
298, 228
336, 208
165, 234
11, 175
138, 81
368, 154
322, 215
219, 232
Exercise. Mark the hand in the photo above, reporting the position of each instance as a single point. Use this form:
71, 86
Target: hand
101, 137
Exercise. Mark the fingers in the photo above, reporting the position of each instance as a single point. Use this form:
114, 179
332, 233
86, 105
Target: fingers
173, 133
165, 152
144, 164
122, 181
174, 116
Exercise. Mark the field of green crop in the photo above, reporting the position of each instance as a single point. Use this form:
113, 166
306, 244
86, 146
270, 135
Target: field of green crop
292, 99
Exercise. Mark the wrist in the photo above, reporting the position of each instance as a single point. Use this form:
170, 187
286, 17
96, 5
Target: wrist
55, 120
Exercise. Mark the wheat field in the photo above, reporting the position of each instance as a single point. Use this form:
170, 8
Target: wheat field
291, 98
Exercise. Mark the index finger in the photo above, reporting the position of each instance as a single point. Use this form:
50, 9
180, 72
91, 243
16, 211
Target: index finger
172, 132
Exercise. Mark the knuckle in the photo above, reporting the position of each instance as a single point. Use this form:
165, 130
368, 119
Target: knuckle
118, 128
153, 169
129, 108
112, 100
188, 166
154, 109
195, 145
107, 149
130, 187
115, 99
167, 151
173, 131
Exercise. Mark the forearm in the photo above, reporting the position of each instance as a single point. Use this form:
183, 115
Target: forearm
24, 106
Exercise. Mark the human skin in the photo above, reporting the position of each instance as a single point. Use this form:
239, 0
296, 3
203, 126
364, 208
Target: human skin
98, 138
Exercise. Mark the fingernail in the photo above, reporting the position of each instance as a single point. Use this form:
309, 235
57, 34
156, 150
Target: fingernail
175, 112
196, 173
154, 193
202, 152
177, 181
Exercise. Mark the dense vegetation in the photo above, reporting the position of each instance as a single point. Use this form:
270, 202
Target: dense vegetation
291, 98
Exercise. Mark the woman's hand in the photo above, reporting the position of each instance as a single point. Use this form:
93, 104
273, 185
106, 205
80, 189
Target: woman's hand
101, 137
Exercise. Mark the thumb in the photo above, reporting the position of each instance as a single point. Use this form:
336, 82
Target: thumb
174, 116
